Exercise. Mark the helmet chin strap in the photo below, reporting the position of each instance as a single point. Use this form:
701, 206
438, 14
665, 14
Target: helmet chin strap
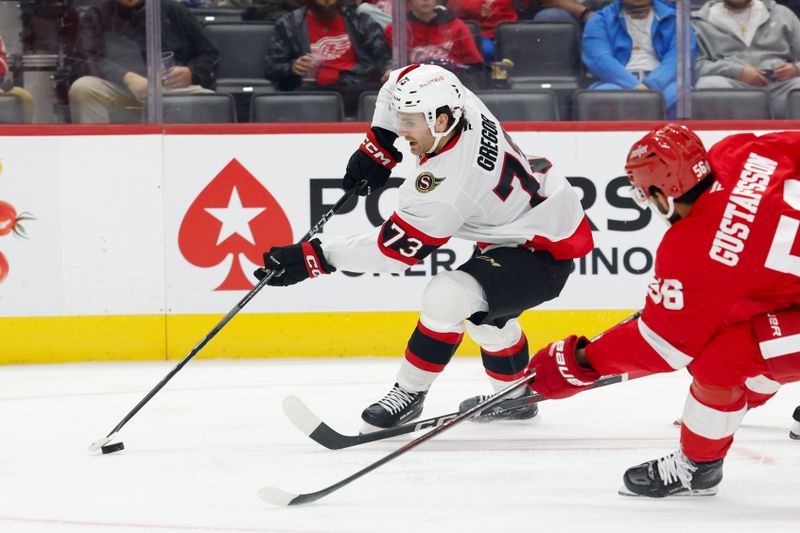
670, 217
438, 136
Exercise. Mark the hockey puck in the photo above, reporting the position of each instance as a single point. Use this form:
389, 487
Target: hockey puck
111, 448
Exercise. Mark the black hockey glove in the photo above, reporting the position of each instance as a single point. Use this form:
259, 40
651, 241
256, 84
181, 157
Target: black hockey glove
371, 165
294, 263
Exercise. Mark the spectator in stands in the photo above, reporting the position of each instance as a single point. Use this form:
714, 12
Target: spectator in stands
112, 39
7, 87
434, 35
328, 46
490, 13
631, 44
748, 43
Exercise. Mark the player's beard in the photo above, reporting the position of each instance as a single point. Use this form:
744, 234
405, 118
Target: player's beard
327, 11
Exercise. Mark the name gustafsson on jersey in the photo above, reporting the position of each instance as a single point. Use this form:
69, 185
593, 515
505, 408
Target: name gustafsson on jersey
740, 212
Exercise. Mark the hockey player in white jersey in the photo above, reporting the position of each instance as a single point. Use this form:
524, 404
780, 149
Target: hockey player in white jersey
471, 182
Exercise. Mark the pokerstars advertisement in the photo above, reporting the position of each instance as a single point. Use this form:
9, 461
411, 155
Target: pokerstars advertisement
236, 196
229, 198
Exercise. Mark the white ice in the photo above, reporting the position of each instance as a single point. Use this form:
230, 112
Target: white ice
197, 454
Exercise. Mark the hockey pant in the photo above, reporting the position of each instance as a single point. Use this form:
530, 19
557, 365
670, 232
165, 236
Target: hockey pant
449, 299
740, 368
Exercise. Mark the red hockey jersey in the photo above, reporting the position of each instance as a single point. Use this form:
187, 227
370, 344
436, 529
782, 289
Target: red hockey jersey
444, 38
735, 255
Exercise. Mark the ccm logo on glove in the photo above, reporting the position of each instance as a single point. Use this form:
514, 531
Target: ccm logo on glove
294, 263
312, 264
373, 148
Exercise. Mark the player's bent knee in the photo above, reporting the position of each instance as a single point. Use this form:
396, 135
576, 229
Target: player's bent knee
714, 396
451, 297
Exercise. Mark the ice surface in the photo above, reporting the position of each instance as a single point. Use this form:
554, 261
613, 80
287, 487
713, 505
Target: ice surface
198, 453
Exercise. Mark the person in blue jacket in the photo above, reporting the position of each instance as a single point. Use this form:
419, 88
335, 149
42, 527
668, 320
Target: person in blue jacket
631, 44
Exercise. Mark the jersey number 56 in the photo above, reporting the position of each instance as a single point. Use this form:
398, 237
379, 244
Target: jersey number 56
667, 292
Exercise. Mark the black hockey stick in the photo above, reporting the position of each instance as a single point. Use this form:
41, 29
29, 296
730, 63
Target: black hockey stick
277, 496
312, 426
99, 443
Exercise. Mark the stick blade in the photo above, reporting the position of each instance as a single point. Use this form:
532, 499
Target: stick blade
99, 443
276, 496
300, 415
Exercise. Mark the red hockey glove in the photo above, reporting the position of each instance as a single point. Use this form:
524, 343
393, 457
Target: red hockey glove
558, 374
294, 263
371, 165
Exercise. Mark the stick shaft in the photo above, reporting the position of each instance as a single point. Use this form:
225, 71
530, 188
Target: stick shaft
227, 318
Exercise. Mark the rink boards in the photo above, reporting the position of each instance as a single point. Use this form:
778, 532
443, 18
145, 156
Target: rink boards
145, 237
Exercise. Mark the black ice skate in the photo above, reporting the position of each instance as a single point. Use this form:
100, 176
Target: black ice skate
397, 407
673, 475
500, 411
794, 433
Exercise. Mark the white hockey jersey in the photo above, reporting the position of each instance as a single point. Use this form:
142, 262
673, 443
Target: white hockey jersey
478, 187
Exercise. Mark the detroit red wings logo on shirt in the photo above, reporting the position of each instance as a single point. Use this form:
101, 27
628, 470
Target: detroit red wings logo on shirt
234, 214
439, 51
330, 48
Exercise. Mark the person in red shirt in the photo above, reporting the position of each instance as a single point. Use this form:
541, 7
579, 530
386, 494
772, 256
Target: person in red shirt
326, 45
724, 302
435, 36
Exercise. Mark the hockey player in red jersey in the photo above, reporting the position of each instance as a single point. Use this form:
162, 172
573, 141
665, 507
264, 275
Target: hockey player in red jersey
723, 302
471, 182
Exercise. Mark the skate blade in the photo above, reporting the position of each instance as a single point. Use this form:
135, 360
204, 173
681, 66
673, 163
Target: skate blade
492, 419
623, 491
794, 436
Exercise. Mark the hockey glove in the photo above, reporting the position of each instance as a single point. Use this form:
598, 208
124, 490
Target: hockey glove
558, 374
371, 165
294, 263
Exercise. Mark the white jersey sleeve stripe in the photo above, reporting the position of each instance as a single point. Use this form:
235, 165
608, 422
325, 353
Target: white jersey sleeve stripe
762, 385
673, 356
772, 348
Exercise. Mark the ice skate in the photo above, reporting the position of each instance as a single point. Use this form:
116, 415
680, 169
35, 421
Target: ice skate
397, 407
673, 475
794, 433
500, 411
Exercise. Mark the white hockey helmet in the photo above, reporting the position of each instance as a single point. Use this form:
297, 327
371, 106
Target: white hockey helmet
426, 88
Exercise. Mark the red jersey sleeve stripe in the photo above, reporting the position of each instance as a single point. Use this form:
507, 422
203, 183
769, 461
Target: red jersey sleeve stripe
411, 231
408, 245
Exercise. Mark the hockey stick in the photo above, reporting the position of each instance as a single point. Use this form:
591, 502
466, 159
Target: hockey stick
277, 496
315, 428
99, 443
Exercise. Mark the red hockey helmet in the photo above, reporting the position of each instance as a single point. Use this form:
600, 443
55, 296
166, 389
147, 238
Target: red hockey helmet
671, 158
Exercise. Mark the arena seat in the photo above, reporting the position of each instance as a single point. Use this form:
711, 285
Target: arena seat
619, 105
301, 106
204, 108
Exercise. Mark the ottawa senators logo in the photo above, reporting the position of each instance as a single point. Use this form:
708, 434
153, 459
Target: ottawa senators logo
426, 182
